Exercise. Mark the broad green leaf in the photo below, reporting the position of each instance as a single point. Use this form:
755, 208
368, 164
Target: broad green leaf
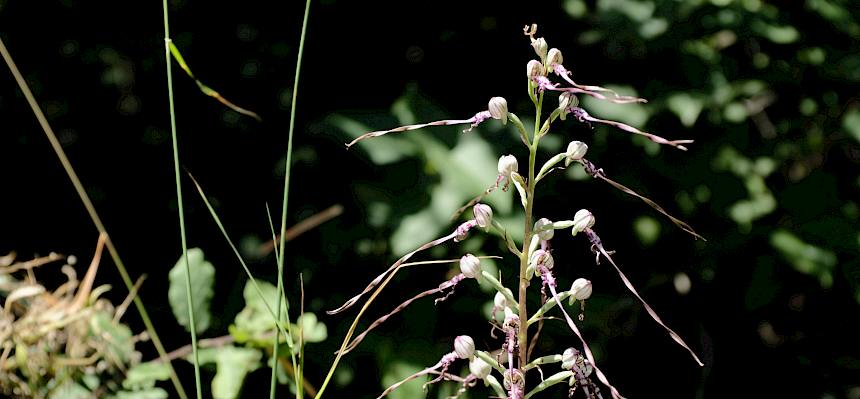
202, 290
145, 375
314, 330
233, 364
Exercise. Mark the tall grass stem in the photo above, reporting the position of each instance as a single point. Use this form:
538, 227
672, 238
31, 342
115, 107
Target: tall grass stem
177, 175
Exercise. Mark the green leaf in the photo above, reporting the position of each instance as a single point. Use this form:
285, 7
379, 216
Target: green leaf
150, 393
382, 150
398, 371
233, 364
144, 375
255, 320
202, 290
851, 123
116, 337
70, 390
647, 229
806, 258
686, 107
174, 51
314, 330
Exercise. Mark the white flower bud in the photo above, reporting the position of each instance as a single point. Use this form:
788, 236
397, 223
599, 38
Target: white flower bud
581, 289
499, 109
501, 301
583, 219
554, 57
546, 234
507, 165
569, 358
483, 215
534, 69
464, 346
540, 47
470, 266
479, 368
575, 151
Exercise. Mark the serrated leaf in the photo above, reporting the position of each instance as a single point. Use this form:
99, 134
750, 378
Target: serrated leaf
145, 375
202, 290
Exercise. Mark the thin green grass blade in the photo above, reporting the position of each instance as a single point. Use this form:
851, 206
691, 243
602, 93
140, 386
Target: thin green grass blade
299, 392
235, 251
176, 174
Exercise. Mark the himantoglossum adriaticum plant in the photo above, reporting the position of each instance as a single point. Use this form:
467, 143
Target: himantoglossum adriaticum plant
507, 372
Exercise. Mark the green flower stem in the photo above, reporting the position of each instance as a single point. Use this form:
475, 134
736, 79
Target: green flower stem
176, 172
524, 276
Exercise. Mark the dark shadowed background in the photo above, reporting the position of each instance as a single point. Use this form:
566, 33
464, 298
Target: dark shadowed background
769, 93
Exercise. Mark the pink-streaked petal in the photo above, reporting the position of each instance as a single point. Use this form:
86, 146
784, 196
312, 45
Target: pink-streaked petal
617, 98
582, 115
407, 128
446, 285
393, 269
